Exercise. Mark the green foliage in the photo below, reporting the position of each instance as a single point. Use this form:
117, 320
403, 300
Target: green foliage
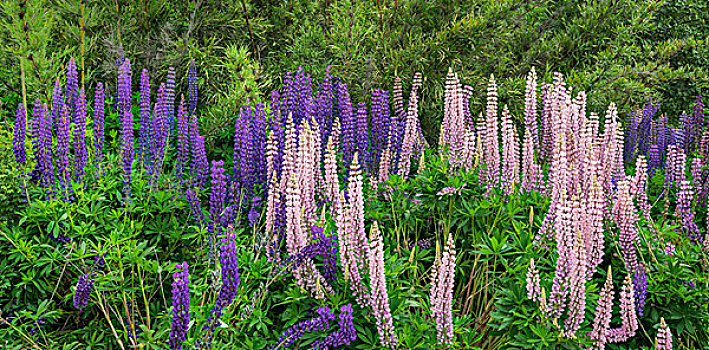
620, 51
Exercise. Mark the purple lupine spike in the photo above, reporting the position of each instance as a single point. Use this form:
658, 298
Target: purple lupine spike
195, 206
124, 88
229, 261
344, 336
79, 138
349, 124
42, 144
127, 150
218, 195
684, 213
19, 135
159, 129
640, 288
298, 330
244, 147
57, 101
325, 115
63, 121
83, 291
170, 104
645, 127
259, 143
631, 138
183, 144
192, 83
654, 159
180, 306
199, 166
380, 127
99, 102
144, 138
363, 136
304, 88
72, 87
288, 102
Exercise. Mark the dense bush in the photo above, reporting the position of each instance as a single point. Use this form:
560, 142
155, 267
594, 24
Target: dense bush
624, 50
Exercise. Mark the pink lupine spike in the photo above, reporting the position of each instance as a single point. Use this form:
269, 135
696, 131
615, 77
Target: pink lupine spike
530, 108
510, 153
422, 164
595, 205
442, 283
664, 336
380, 297
492, 144
383, 173
577, 287
639, 185
628, 317
533, 289
602, 318
453, 126
531, 171
411, 137
469, 149
354, 246
625, 217
307, 166
332, 183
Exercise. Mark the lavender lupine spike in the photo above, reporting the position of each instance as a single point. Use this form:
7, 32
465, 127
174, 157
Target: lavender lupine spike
442, 286
180, 306
79, 138
83, 291
192, 83
380, 297
144, 138
664, 336
99, 103
72, 87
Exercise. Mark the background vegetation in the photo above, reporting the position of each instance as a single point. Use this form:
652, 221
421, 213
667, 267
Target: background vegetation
623, 50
